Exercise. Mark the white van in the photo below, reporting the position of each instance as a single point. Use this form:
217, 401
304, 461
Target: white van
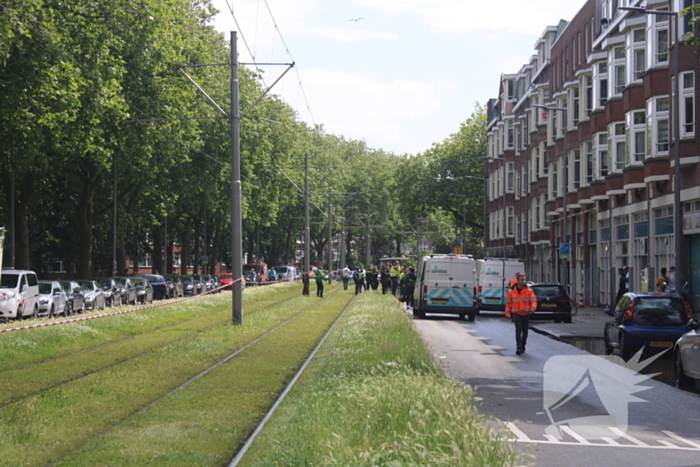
446, 284
494, 278
19, 293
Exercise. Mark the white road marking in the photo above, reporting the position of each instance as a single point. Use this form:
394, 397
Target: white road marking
609, 442
622, 434
516, 431
574, 435
675, 436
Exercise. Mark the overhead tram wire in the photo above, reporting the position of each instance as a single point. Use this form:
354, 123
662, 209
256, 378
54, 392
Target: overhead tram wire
245, 42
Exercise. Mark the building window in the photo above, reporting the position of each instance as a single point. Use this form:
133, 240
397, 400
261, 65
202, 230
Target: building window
639, 53
618, 145
661, 38
510, 220
545, 167
620, 69
590, 162
602, 154
577, 169
509, 126
511, 92
553, 180
576, 106
602, 84
526, 177
589, 94
687, 107
511, 176
639, 138
658, 125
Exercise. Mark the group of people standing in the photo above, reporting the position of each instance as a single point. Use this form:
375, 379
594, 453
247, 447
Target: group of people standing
393, 279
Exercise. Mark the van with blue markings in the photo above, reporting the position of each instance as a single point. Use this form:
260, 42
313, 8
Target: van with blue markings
493, 279
446, 284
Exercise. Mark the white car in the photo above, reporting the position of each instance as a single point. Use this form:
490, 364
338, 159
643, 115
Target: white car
686, 356
52, 298
19, 293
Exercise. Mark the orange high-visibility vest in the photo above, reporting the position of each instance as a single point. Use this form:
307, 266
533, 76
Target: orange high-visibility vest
522, 302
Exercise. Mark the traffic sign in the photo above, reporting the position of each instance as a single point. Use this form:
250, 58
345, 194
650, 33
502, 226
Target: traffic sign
565, 250
457, 250
205, 259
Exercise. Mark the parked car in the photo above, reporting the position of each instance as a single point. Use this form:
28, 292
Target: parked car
686, 356
199, 283
286, 273
552, 302
19, 293
52, 299
144, 289
208, 282
158, 284
75, 297
128, 290
189, 286
113, 293
174, 286
94, 296
645, 320
226, 280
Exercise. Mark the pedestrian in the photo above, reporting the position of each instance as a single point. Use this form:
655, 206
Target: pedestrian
514, 280
305, 281
271, 275
358, 280
622, 285
386, 280
662, 281
520, 304
410, 286
368, 277
320, 276
346, 277
375, 278
394, 272
672, 280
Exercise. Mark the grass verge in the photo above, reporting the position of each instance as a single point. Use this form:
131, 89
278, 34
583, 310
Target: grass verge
373, 397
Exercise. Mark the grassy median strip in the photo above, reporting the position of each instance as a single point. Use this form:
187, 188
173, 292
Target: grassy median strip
373, 397
41, 428
204, 423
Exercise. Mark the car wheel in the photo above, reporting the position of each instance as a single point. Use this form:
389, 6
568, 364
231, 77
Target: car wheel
682, 381
567, 320
51, 311
19, 316
608, 348
35, 313
471, 316
417, 313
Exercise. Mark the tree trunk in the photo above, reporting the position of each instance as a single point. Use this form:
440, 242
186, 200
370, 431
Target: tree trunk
157, 253
85, 222
197, 248
185, 250
22, 203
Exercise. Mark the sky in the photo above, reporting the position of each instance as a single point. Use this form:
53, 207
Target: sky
400, 75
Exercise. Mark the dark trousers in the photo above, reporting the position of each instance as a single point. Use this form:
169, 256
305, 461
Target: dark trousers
359, 285
394, 284
408, 293
345, 283
521, 324
319, 289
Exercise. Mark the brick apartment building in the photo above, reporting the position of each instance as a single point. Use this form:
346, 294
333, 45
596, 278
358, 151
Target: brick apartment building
604, 150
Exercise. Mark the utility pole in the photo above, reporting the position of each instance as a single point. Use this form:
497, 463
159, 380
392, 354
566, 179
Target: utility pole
236, 196
307, 229
330, 236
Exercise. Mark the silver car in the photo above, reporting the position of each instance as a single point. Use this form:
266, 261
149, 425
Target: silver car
94, 296
52, 299
686, 356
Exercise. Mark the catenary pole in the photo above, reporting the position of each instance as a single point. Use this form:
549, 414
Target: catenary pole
236, 201
307, 229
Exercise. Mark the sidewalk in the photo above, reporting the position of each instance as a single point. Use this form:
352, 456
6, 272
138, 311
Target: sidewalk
587, 323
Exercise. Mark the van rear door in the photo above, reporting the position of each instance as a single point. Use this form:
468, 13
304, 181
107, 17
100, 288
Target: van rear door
462, 283
438, 278
492, 285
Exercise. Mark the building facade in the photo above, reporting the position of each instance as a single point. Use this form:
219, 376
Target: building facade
580, 167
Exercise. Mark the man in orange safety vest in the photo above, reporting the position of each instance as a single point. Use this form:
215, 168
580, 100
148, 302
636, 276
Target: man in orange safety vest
520, 304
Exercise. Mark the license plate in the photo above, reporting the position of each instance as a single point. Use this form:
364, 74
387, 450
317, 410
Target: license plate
661, 344
549, 305
493, 300
439, 301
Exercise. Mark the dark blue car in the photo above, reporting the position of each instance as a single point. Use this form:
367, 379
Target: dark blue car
158, 283
649, 321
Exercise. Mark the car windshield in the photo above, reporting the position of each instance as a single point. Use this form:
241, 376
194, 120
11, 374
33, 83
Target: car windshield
248, 268
66, 286
225, 275
543, 291
8, 281
186, 279
85, 285
138, 282
281, 269
105, 283
119, 282
44, 288
659, 311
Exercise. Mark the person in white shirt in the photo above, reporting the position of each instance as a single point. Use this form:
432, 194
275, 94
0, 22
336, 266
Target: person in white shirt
346, 277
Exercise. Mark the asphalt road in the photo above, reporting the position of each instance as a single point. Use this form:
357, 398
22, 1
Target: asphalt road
564, 406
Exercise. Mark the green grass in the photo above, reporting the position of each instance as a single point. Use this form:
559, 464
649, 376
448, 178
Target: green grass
373, 397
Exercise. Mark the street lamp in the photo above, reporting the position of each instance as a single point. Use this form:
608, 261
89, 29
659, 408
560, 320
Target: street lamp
505, 181
564, 267
677, 219
464, 219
